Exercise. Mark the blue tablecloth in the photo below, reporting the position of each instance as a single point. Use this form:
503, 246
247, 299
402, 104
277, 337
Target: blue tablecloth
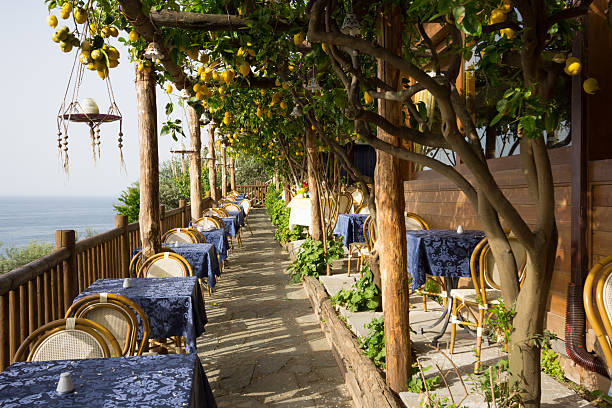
350, 228
174, 306
231, 225
176, 380
218, 238
440, 253
202, 258
239, 216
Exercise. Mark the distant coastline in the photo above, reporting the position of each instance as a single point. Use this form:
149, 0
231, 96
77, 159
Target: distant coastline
36, 218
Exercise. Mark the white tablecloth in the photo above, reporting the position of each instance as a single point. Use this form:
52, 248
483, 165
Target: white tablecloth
299, 212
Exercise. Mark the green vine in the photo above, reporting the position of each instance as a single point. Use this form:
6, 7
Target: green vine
362, 296
373, 344
312, 259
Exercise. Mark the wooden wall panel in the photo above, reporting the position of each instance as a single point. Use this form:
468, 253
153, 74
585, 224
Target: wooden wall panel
443, 206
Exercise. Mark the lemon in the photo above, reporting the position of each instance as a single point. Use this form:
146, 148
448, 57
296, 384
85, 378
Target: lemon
206, 75
199, 95
283, 105
65, 46
67, 6
323, 47
140, 67
133, 36
91, 66
52, 20
99, 65
285, 85
240, 52
229, 76
105, 32
312, 127
590, 86
113, 63
367, 98
64, 14
245, 69
80, 15
298, 38
221, 90
506, 6
97, 55
251, 52
55, 38
215, 76
62, 33
259, 112
196, 88
114, 32
291, 67
204, 89
572, 66
507, 32
103, 73
497, 16
85, 57
86, 45
93, 29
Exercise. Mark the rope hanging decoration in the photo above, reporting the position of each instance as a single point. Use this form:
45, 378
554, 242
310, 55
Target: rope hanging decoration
94, 54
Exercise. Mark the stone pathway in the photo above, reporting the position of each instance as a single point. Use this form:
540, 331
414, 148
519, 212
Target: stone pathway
263, 345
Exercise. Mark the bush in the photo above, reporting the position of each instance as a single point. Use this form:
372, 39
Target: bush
362, 296
312, 259
13, 258
374, 343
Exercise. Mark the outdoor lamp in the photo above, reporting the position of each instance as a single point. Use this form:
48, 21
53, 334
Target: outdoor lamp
313, 85
350, 25
153, 52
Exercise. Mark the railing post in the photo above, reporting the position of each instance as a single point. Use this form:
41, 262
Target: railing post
183, 207
66, 239
162, 217
121, 221
5, 354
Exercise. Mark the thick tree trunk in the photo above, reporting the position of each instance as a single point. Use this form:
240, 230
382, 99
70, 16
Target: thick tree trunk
150, 230
233, 173
212, 173
223, 171
316, 228
195, 164
391, 240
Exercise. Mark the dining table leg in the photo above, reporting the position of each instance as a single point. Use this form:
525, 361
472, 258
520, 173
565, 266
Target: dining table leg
451, 283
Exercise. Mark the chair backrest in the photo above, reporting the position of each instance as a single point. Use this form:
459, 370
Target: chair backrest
369, 232
68, 339
165, 264
357, 195
219, 212
330, 210
232, 194
345, 202
136, 261
209, 223
231, 207
362, 209
180, 235
246, 205
597, 297
200, 238
489, 277
116, 313
414, 222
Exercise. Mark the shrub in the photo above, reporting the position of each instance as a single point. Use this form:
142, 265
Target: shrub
13, 258
279, 215
312, 259
362, 296
373, 344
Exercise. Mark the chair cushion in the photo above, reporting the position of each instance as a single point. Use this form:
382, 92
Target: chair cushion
469, 295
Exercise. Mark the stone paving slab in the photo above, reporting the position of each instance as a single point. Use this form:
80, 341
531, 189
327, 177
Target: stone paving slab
263, 345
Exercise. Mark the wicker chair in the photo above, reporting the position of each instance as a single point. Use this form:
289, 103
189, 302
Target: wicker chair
180, 235
201, 238
246, 206
116, 313
597, 297
345, 203
219, 212
365, 249
68, 339
165, 264
486, 291
357, 195
136, 260
362, 209
209, 223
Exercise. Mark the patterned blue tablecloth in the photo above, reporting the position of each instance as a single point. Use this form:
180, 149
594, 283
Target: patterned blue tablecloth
218, 238
174, 306
350, 228
440, 253
231, 225
239, 215
176, 380
202, 258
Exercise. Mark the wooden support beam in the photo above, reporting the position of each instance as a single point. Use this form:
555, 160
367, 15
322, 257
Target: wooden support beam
316, 227
195, 164
223, 170
206, 22
150, 230
212, 172
391, 238
233, 173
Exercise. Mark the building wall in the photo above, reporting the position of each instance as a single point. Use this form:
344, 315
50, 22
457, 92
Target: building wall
444, 206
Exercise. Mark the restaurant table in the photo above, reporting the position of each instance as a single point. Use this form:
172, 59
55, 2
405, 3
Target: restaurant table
202, 258
218, 238
174, 306
299, 212
443, 253
238, 214
174, 380
350, 228
231, 225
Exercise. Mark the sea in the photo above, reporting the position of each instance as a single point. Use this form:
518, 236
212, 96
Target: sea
26, 219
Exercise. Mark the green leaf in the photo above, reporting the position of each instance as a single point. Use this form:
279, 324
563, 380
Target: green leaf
169, 108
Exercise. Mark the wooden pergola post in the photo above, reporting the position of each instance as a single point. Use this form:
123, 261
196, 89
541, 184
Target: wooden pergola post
391, 239
150, 231
195, 164
212, 173
316, 227
233, 173
223, 170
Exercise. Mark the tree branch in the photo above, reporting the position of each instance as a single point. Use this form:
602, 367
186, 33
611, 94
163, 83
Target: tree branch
206, 22
568, 13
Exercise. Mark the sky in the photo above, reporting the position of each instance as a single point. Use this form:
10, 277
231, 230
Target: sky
34, 74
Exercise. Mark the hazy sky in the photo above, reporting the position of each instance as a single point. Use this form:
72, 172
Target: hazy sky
34, 74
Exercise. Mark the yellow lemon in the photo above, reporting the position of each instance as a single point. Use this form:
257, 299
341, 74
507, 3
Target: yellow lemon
86, 45
102, 74
105, 32
93, 29
507, 32
112, 53
506, 6
196, 88
113, 63
277, 83
133, 36
62, 33
291, 67
140, 67
215, 76
221, 90
168, 88
80, 15
312, 127
259, 112
590, 86
283, 105
367, 98
298, 38
199, 95
245, 69
52, 20
85, 57
572, 66
65, 46
323, 47
96, 55
114, 32
497, 16
226, 120
64, 14
285, 85
91, 66
229, 76
67, 6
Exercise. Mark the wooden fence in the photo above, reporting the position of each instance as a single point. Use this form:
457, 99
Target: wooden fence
43, 290
255, 192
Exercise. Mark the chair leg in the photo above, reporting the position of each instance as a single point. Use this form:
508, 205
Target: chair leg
453, 326
248, 226
349, 264
479, 330
424, 302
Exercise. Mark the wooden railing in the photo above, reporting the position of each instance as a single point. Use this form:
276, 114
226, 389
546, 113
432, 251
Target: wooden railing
43, 290
255, 192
